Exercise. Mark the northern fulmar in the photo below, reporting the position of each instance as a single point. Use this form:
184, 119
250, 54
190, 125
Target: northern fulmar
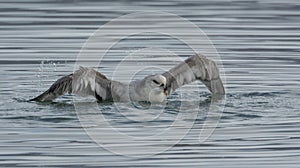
153, 88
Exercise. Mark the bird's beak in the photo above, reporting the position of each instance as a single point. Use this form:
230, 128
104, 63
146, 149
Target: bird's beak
166, 91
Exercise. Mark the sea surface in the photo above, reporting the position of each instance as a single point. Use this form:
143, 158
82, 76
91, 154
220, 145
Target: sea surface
255, 43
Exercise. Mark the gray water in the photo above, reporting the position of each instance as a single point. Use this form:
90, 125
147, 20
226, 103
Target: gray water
258, 43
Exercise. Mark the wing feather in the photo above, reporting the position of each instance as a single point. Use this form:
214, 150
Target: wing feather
197, 67
84, 82
58, 88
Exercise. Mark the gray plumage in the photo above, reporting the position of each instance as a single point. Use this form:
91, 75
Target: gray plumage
153, 88
197, 67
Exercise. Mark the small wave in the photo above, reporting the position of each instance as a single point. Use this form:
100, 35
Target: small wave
43, 118
255, 94
18, 99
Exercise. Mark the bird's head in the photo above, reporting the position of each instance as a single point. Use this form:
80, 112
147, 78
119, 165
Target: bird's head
155, 86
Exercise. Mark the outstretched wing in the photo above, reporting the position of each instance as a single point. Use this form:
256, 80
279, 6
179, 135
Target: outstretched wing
197, 67
58, 88
84, 82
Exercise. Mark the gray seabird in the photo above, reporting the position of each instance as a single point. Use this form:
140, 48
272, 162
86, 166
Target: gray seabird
153, 88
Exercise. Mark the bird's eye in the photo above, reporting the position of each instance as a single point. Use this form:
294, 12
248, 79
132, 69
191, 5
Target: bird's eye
155, 81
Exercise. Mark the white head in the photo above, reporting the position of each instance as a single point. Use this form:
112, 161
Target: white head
154, 87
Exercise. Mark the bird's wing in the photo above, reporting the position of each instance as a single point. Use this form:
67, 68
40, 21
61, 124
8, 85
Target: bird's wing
84, 82
197, 67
